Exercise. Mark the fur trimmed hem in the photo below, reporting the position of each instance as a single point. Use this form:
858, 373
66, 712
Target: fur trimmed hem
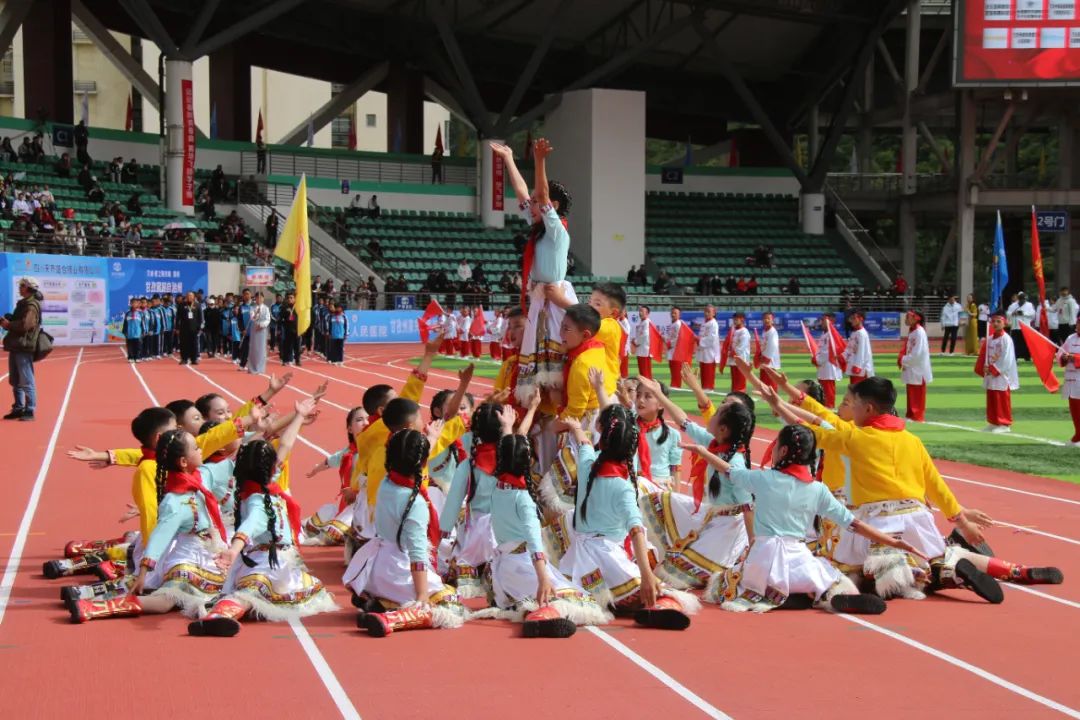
320, 602
843, 586
671, 579
446, 618
741, 606
550, 500
893, 576
192, 605
712, 594
578, 613
691, 605
471, 591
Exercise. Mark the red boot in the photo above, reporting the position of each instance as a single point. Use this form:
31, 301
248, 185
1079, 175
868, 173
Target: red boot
223, 620
76, 548
82, 565
124, 606
407, 618
547, 622
666, 614
71, 594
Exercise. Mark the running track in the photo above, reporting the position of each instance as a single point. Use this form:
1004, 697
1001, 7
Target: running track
950, 653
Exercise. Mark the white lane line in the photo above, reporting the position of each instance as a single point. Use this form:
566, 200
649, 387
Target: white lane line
296, 389
1027, 530
12, 569
331, 378
1045, 441
964, 665
672, 684
1038, 593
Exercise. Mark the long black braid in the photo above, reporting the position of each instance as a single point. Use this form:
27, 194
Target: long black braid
513, 456
801, 447
618, 443
170, 448
406, 453
486, 428
664, 429
257, 461
740, 424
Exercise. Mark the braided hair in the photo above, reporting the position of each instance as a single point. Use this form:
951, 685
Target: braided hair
618, 443
486, 428
740, 424
747, 402
664, 429
170, 448
800, 444
257, 462
513, 456
406, 453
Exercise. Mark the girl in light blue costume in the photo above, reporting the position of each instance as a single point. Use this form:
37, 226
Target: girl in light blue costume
332, 522
272, 581
473, 484
391, 576
779, 564
526, 587
606, 517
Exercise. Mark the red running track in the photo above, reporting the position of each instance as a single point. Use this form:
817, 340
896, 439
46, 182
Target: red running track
951, 651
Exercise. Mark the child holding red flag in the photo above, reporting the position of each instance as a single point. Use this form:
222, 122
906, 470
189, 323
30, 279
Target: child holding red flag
495, 334
680, 343
464, 325
914, 364
997, 367
628, 329
647, 343
1069, 358
829, 358
736, 344
709, 348
767, 347
477, 330
858, 355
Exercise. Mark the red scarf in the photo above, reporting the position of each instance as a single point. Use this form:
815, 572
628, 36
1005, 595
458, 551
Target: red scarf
148, 454
485, 457
644, 452
611, 468
515, 481
699, 469
250, 487
459, 451
217, 457
821, 467
345, 473
799, 472
766, 459
433, 532
372, 419
180, 483
530, 256
571, 356
890, 423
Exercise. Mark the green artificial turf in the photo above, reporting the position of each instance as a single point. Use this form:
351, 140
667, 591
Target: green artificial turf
956, 398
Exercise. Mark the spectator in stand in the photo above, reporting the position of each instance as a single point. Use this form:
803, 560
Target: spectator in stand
260, 156
793, 286
86, 180
63, 166
741, 286
21, 207
82, 139
436, 165
663, 283
374, 211
950, 325
217, 184
362, 297
356, 207
26, 151
346, 292
79, 238
373, 292
464, 270
115, 168
129, 174
478, 275
47, 199
37, 146
205, 202
271, 228
900, 285
374, 248
752, 285
133, 205
7, 152
631, 275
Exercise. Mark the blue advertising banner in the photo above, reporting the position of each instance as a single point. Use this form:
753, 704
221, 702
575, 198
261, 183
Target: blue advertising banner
383, 326
140, 277
74, 308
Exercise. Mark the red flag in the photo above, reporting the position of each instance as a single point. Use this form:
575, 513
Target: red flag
129, 116
901, 354
438, 140
656, 344
685, 342
259, 129
980, 362
528, 145
1040, 279
1043, 351
837, 346
725, 349
622, 340
433, 310
811, 344
759, 356
352, 133
479, 325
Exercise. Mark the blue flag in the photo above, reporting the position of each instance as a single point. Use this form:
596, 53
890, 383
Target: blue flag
213, 121
999, 269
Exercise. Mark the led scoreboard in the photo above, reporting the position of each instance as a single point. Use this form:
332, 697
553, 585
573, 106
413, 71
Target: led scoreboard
1016, 43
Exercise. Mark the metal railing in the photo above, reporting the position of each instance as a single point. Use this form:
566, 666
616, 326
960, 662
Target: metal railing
119, 246
891, 184
864, 236
282, 162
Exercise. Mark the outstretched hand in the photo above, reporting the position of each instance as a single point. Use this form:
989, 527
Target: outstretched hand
435, 341
465, 374
541, 149
276, 383
305, 407
434, 430
503, 151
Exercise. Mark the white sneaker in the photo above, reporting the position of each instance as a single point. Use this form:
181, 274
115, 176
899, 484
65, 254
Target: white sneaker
988, 429
1001, 429
1076, 444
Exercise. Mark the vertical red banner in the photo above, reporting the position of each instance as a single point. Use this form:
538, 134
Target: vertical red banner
498, 189
189, 143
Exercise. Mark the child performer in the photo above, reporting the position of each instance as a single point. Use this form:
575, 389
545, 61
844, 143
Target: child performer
464, 322
331, 524
779, 564
392, 575
769, 355
606, 514
736, 345
271, 581
339, 330
914, 364
1069, 357
132, 329
628, 329
709, 348
609, 300
506, 379
642, 342
997, 367
495, 334
526, 587
702, 542
828, 371
858, 354
449, 332
543, 265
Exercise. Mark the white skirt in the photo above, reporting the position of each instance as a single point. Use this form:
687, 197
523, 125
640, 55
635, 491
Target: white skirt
695, 545
774, 569
601, 567
328, 526
191, 577
541, 355
281, 594
473, 547
363, 525
153, 577
894, 572
381, 570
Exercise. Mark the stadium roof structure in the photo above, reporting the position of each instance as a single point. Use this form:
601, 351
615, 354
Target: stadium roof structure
502, 63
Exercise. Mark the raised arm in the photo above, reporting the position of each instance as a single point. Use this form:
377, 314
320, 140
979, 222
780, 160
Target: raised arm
526, 422
676, 413
521, 189
596, 379
453, 407
703, 452
304, 408
541, 149
690, 380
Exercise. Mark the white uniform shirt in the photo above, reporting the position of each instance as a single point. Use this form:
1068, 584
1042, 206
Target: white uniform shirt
628, 328
641, 338
984, 312
770, 347
1001, 353
1051, 315
497, 328
1026, 313
740, 346
1066, 309
950, 315
464, 322
450, 326
672, 333
859, 355
709, 342
1071, 387
825, 369
916, 363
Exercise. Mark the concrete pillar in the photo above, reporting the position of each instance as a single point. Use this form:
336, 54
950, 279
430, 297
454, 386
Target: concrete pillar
965, 211
494, 184
230, 93
177, 197
908, 146
908, 236
866, 129
405, 110
1067, 250
47, 67
813, 135
812, 212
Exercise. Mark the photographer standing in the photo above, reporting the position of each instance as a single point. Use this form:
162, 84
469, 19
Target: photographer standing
23, 327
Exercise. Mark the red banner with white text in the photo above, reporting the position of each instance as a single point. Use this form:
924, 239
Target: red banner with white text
498, 180
189, 143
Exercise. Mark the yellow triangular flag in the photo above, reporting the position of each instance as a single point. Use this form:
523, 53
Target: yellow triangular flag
294, 245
